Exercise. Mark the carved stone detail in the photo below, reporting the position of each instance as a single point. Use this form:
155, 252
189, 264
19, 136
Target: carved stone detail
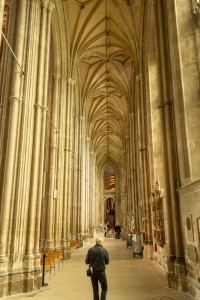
158, 215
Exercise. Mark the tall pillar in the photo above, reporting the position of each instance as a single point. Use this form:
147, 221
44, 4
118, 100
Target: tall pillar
68, 160
52, 186
176, 264
133, 172
129, 196
84, 228
32, 243
76, 196
79, 186
49, 6
15, 101
87, 184
93, 210
143, 161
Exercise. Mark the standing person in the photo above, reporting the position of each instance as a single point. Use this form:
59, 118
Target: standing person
117, 231
97, 257
105, 230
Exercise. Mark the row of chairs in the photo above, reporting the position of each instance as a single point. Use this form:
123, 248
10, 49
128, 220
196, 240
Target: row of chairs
52, 259
76, 244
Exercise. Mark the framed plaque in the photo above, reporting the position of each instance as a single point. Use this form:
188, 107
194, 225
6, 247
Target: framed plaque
189, 227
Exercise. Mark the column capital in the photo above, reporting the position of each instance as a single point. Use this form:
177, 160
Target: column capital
70, 81
56, 75
68, 150
139, 76
45, 108
44, 3
38, 106
51, 6
142, 149
14, 98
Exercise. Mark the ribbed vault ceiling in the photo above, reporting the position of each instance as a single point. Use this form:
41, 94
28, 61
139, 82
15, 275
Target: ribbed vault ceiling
105, 38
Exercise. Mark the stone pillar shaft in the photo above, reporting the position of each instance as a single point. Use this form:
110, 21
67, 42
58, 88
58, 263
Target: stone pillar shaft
169, 157
79, 186
49, 230
143, 160
128, 194
133, 171
69, 159
75, 176
12, 134
159, 68
87, 182
165, 95
39, 132
49, 7
84, 226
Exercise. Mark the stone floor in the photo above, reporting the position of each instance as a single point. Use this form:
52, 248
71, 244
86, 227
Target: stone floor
128, 278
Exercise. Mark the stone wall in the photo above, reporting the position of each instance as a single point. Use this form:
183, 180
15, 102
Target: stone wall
190, 221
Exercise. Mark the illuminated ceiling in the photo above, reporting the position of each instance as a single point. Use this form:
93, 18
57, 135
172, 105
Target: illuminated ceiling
106, 39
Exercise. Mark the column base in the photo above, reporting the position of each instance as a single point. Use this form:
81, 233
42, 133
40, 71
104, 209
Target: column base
180, 274
67, 250
67, 254
170, 271
20, 282
176, 274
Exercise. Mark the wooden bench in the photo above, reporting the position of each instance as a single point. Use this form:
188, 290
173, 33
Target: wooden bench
49, 262
85, 238
74, 244
51, 258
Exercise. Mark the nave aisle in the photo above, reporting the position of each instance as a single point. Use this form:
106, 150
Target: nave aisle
128, 278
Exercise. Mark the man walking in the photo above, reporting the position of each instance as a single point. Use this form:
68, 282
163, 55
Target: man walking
97, 257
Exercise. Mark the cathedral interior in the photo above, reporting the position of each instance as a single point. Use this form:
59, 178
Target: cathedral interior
99, 119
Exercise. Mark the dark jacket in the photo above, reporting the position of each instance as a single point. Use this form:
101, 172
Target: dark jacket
97, 257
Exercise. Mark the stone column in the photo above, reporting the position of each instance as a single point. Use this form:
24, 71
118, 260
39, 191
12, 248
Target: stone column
176, 263
52, 186
67, 204
76, 186
143, 161
32, 243
92, 207
83, 178
15, 100
161, 108
79, 186
133, 172
49, 6
80, 195
87, 183
127, 195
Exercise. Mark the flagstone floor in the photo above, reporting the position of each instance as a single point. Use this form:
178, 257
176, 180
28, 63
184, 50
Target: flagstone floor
128, 278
